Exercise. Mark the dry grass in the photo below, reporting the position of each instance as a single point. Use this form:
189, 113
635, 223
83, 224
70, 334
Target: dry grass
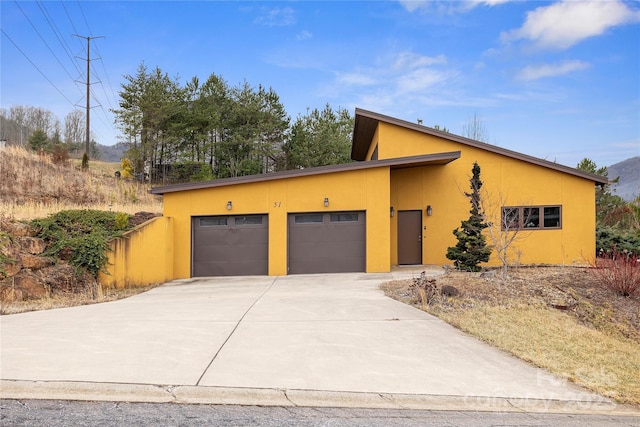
71, 300
32, 186
548, 338
559, 319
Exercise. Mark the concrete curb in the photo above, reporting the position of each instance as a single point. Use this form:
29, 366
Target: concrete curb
82, 391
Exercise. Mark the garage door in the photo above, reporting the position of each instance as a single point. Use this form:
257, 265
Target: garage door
235, 245
328, 242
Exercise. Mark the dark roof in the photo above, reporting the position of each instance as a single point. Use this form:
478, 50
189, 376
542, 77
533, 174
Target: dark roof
366, 123
399, 163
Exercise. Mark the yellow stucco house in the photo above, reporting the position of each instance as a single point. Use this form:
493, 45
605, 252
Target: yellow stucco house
397, 204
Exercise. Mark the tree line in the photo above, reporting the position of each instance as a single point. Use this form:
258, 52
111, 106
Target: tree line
40, 130
209, 130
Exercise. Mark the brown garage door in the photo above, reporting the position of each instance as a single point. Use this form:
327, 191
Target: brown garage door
236, 245
328, 242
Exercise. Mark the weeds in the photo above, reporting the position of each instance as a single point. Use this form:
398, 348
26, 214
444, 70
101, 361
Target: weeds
33, 186
425, 289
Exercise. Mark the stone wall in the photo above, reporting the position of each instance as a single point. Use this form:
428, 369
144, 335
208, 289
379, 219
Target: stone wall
26, 274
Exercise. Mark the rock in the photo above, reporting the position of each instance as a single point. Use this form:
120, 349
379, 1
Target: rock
30, 284
35, 262
9, 293
11, 267
488, 275
9, 248
64, 278
449, 291
32, 245
17, 228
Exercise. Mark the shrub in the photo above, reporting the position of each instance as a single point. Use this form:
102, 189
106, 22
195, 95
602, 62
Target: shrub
424, 289
127, 169
81, 236
609, 239
122, 220
619, 271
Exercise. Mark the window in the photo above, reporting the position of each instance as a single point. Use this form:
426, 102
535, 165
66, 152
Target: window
249, 220
531, 217
344, 217
213, 221
307, 218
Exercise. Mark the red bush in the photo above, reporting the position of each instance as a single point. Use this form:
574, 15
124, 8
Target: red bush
619, 271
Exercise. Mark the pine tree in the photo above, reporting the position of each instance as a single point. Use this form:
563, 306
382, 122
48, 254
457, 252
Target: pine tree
471, 248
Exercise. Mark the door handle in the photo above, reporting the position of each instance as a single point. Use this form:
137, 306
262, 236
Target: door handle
419, 238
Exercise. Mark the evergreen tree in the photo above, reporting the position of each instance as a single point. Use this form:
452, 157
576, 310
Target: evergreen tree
38, 140
471, 248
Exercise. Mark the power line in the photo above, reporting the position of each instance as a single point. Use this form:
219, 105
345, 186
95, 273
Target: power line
58, 34
43, 40
103, 66
35, 66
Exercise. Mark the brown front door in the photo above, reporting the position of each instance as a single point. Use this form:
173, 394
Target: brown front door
409, 237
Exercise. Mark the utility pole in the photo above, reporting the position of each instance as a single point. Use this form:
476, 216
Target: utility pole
88, 106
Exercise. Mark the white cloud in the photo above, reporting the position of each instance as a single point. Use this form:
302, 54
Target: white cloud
566, 23
410, 60
404, 78
406, 72
535, 72
413, 5
449, 6
420, 79
277, 17
304, 35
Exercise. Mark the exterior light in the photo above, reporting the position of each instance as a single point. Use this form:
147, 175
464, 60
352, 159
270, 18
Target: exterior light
429, 210
326, 202
392, 212
229, 205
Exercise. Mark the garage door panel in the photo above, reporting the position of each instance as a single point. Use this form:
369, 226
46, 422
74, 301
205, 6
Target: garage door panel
337, 244
230, 245
229, 268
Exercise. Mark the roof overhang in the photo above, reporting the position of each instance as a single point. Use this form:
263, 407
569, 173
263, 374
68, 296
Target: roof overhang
366, 123
399, 163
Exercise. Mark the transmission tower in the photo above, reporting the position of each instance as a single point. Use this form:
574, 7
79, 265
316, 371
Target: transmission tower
88, 107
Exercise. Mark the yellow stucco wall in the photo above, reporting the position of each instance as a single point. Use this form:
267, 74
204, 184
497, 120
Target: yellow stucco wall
142, 256
507, 182
351, 190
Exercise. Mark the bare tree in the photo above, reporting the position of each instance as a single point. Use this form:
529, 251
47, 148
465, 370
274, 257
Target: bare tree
506, 226
74, 133
475, 129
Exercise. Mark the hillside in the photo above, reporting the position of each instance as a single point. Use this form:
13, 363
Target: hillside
112, 153
629, 172
33, 186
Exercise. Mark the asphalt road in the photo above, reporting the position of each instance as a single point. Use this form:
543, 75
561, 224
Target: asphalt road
97, 414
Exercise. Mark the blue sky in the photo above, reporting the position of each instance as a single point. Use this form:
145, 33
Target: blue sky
558, 80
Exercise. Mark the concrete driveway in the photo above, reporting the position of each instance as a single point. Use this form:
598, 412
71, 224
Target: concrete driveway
331, 340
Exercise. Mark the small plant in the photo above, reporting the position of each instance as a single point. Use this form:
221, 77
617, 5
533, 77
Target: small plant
85, 161
618, 271
425, 289
122, 220
127, 169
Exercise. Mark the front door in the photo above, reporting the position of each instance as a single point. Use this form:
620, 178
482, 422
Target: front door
409, 237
